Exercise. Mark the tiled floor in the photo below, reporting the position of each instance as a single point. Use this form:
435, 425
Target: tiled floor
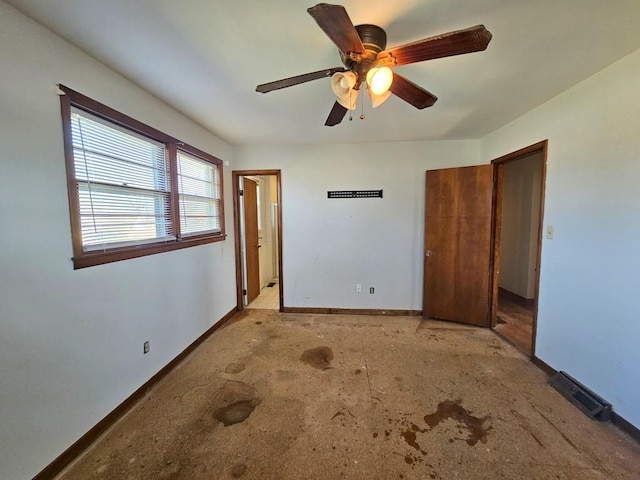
269, 298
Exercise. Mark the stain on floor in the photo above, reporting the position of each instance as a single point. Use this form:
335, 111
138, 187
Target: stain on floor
410, 437
236, 412
318, 357
238, 470
450, 409
285, 420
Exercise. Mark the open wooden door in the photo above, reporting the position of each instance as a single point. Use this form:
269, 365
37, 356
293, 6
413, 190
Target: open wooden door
252, 243
457, 250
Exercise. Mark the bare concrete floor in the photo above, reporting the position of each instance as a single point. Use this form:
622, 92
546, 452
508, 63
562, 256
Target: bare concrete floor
290, 396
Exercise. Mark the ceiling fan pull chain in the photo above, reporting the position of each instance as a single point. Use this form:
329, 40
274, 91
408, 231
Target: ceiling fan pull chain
361, 105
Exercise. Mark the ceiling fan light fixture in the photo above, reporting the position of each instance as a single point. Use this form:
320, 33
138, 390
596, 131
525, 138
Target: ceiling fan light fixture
377, 100
366, 59
379, 80
342, 84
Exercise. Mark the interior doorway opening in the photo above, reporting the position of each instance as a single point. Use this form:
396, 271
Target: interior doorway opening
517, 237
258, 227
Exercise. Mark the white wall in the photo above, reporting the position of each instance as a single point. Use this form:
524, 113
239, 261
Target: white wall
520, 220
71, 341
588, 322
329, 245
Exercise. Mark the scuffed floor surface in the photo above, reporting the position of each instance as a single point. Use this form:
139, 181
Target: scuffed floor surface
289, 396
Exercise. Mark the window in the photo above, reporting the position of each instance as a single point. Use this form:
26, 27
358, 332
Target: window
134, 191
198, 187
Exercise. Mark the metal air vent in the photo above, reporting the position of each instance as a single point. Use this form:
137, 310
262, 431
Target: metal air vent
583, 398
354, 194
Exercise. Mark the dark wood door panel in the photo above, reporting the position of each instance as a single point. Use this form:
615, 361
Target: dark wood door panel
458, 243
251, 238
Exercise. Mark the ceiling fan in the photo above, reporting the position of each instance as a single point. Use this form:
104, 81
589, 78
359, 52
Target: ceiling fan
366, 61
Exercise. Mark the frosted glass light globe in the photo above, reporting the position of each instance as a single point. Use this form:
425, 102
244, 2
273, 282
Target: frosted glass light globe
379, 80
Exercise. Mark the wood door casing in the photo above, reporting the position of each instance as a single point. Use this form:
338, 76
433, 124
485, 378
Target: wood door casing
497, 234
541, 148
252, 244
239, 238
457, 252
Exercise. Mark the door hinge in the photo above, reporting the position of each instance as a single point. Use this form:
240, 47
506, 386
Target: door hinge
244, 292
241, 193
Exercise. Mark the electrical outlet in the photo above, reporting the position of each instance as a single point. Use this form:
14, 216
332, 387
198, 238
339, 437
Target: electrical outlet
146, 347
358, 288
371, 290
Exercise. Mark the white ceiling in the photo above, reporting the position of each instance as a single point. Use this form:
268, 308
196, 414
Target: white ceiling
205, 58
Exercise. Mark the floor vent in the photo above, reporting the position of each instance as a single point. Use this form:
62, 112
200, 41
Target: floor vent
583, 398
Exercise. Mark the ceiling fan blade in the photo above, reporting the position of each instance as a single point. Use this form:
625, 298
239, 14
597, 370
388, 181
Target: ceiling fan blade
412, 93
473, 39
335, 22
289, 82
336, 115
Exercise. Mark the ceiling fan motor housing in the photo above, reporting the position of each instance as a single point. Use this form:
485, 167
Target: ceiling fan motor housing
373, 37
374, 40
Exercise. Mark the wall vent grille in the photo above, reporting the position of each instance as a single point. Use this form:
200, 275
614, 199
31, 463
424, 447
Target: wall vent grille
354, 194
583, 398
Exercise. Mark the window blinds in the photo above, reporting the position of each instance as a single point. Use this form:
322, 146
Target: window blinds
199, 195
123, 184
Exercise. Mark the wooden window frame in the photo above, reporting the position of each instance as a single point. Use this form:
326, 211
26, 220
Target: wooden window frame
82, 258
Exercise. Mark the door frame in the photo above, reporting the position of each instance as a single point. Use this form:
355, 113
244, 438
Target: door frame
498, 190
235, 176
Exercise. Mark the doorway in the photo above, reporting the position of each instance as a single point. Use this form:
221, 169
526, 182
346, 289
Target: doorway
464, 237
258, 228
517, 242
